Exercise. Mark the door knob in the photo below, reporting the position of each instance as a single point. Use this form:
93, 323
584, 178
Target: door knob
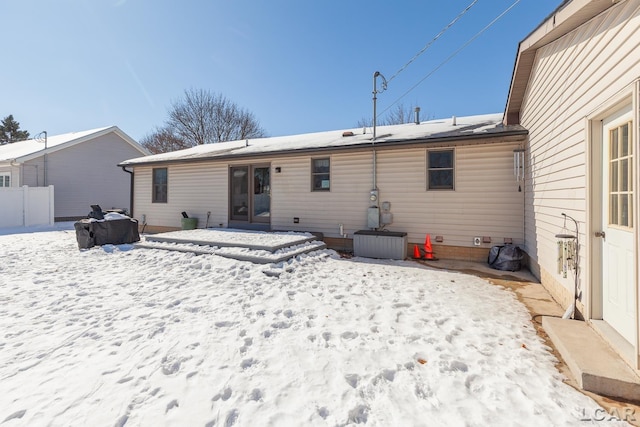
600, 234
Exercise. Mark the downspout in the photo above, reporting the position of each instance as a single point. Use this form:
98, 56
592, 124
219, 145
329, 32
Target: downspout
130, 191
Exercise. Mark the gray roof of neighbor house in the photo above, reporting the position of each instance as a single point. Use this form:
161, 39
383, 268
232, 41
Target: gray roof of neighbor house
568, 16
22, 151
432, 131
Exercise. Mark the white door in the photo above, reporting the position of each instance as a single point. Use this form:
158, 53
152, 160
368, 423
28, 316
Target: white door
617, 232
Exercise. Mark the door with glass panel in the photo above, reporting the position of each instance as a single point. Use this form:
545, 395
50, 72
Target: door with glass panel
618, 305
250, 193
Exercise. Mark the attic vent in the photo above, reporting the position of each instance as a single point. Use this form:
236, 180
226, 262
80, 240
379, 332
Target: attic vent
347, 133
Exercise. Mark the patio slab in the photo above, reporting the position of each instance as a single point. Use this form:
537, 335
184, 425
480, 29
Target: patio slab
230, 237
258, 247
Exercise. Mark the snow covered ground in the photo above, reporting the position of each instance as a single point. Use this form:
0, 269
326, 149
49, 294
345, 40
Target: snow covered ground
145, 337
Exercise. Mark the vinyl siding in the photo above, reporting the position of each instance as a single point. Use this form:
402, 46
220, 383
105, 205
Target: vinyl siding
85, 174
195, 189
572, 78
486, 200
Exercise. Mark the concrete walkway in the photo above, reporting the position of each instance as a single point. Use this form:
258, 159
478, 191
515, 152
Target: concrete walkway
587, 361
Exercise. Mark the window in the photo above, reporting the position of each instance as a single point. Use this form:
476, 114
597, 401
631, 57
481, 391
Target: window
5, 180
160, 178
621, 176
440, 170
320, 174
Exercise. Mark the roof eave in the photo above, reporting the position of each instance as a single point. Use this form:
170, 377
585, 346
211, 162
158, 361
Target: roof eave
568, 16
386, 144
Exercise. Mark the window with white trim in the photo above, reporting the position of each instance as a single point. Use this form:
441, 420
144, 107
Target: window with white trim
321, 174
160, 183
5, 180
440, 169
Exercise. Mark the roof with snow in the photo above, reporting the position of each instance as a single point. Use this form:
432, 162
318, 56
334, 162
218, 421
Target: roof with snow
31, 148
464, 128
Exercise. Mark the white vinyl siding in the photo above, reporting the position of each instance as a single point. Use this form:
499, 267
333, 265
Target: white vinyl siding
571, 78
195, 188
486, 201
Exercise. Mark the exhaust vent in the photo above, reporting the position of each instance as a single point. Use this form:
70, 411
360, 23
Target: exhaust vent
347, 133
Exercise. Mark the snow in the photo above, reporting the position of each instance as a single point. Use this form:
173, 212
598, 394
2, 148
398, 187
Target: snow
117, 335
24, 148
486, 123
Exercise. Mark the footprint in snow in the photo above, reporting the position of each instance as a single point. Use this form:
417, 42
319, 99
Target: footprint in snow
247, 363
171, 405
15, 415
349, 335
224, 395
352, 379
256, 395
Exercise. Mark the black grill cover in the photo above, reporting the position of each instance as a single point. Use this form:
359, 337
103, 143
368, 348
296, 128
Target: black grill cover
115, 232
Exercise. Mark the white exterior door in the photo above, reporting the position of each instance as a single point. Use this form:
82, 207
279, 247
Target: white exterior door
618, 305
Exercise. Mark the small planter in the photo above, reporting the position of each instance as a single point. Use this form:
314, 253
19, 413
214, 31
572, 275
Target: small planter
189, 223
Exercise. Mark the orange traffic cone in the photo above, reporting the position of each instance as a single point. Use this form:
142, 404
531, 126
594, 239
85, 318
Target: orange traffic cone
428, 250
416, 252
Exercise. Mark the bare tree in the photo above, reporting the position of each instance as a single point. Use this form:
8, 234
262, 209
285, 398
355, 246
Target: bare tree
162, 140
397, 116
202, 117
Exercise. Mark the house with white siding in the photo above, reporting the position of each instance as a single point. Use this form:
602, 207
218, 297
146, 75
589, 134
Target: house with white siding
576, 89
452, 179
82, 167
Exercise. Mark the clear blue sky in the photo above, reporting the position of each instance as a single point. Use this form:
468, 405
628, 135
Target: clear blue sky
299, 66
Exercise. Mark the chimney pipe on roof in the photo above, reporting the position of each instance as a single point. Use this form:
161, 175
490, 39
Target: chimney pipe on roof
417, 115
453, 120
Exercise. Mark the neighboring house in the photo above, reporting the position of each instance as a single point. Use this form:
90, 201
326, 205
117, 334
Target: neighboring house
576, 89
82, 167
452, 179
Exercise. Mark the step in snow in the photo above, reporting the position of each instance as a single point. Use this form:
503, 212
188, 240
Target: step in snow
256, 256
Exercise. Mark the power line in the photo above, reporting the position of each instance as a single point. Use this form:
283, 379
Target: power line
451, 56
428, 45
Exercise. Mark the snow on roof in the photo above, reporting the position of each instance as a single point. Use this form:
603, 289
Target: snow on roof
19, 149
465, 126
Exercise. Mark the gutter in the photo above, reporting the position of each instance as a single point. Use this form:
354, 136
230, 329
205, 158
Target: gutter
130, 190
381, 145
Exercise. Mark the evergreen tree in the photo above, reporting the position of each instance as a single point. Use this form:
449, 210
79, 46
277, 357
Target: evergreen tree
10, 131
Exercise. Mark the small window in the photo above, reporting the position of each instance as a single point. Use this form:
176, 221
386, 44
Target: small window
440, 170
621, 176
5, 180
160, 178
320, 174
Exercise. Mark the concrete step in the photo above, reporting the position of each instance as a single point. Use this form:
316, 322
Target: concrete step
256, 256
595, 366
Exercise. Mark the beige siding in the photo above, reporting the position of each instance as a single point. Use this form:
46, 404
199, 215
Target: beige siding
486, 201
85, 174
571, 78
192, 188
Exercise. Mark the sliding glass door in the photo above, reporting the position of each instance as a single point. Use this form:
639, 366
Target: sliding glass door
250, 193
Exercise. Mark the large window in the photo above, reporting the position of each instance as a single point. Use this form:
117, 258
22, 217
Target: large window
5, 180
160, 180
440, 171
621, 176
320, 174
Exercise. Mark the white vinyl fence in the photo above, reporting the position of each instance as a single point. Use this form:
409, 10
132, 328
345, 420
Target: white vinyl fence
26, 206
